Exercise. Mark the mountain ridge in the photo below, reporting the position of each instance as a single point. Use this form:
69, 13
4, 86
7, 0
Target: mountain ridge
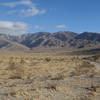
45, 40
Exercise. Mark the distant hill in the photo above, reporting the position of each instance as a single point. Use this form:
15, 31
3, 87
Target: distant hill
6, 44
51, 41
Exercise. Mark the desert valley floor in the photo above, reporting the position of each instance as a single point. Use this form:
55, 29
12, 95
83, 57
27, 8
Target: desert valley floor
36, 76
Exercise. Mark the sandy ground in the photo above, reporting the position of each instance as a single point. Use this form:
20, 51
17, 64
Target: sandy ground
47, 77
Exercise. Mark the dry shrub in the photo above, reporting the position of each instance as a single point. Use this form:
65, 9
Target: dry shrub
47, 59
16, 70
58, 77
51, 86
84, 69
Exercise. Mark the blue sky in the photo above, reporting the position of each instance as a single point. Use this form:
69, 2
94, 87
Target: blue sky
20, 16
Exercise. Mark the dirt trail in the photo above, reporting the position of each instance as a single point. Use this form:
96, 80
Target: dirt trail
96, 64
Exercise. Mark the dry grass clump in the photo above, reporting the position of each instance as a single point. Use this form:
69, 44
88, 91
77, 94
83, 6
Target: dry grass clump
18, 93
59, 76
48, 59
85, 69
16, 70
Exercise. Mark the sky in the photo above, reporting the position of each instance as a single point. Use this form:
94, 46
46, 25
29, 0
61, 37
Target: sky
30, 16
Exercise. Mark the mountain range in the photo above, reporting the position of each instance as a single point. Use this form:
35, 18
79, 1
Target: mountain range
41, 41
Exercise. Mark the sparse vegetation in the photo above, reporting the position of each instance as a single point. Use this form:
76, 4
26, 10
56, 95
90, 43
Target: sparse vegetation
85, 69
42, 77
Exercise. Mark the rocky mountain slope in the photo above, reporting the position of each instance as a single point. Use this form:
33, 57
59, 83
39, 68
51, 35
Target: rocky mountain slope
11, 45
58, 40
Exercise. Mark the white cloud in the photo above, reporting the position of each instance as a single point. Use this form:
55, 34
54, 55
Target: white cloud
32, 12
32, 9
21, 2
37, 27
13, 28
61, 26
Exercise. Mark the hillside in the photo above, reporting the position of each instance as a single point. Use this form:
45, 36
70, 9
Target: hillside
51, 41
8, 45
